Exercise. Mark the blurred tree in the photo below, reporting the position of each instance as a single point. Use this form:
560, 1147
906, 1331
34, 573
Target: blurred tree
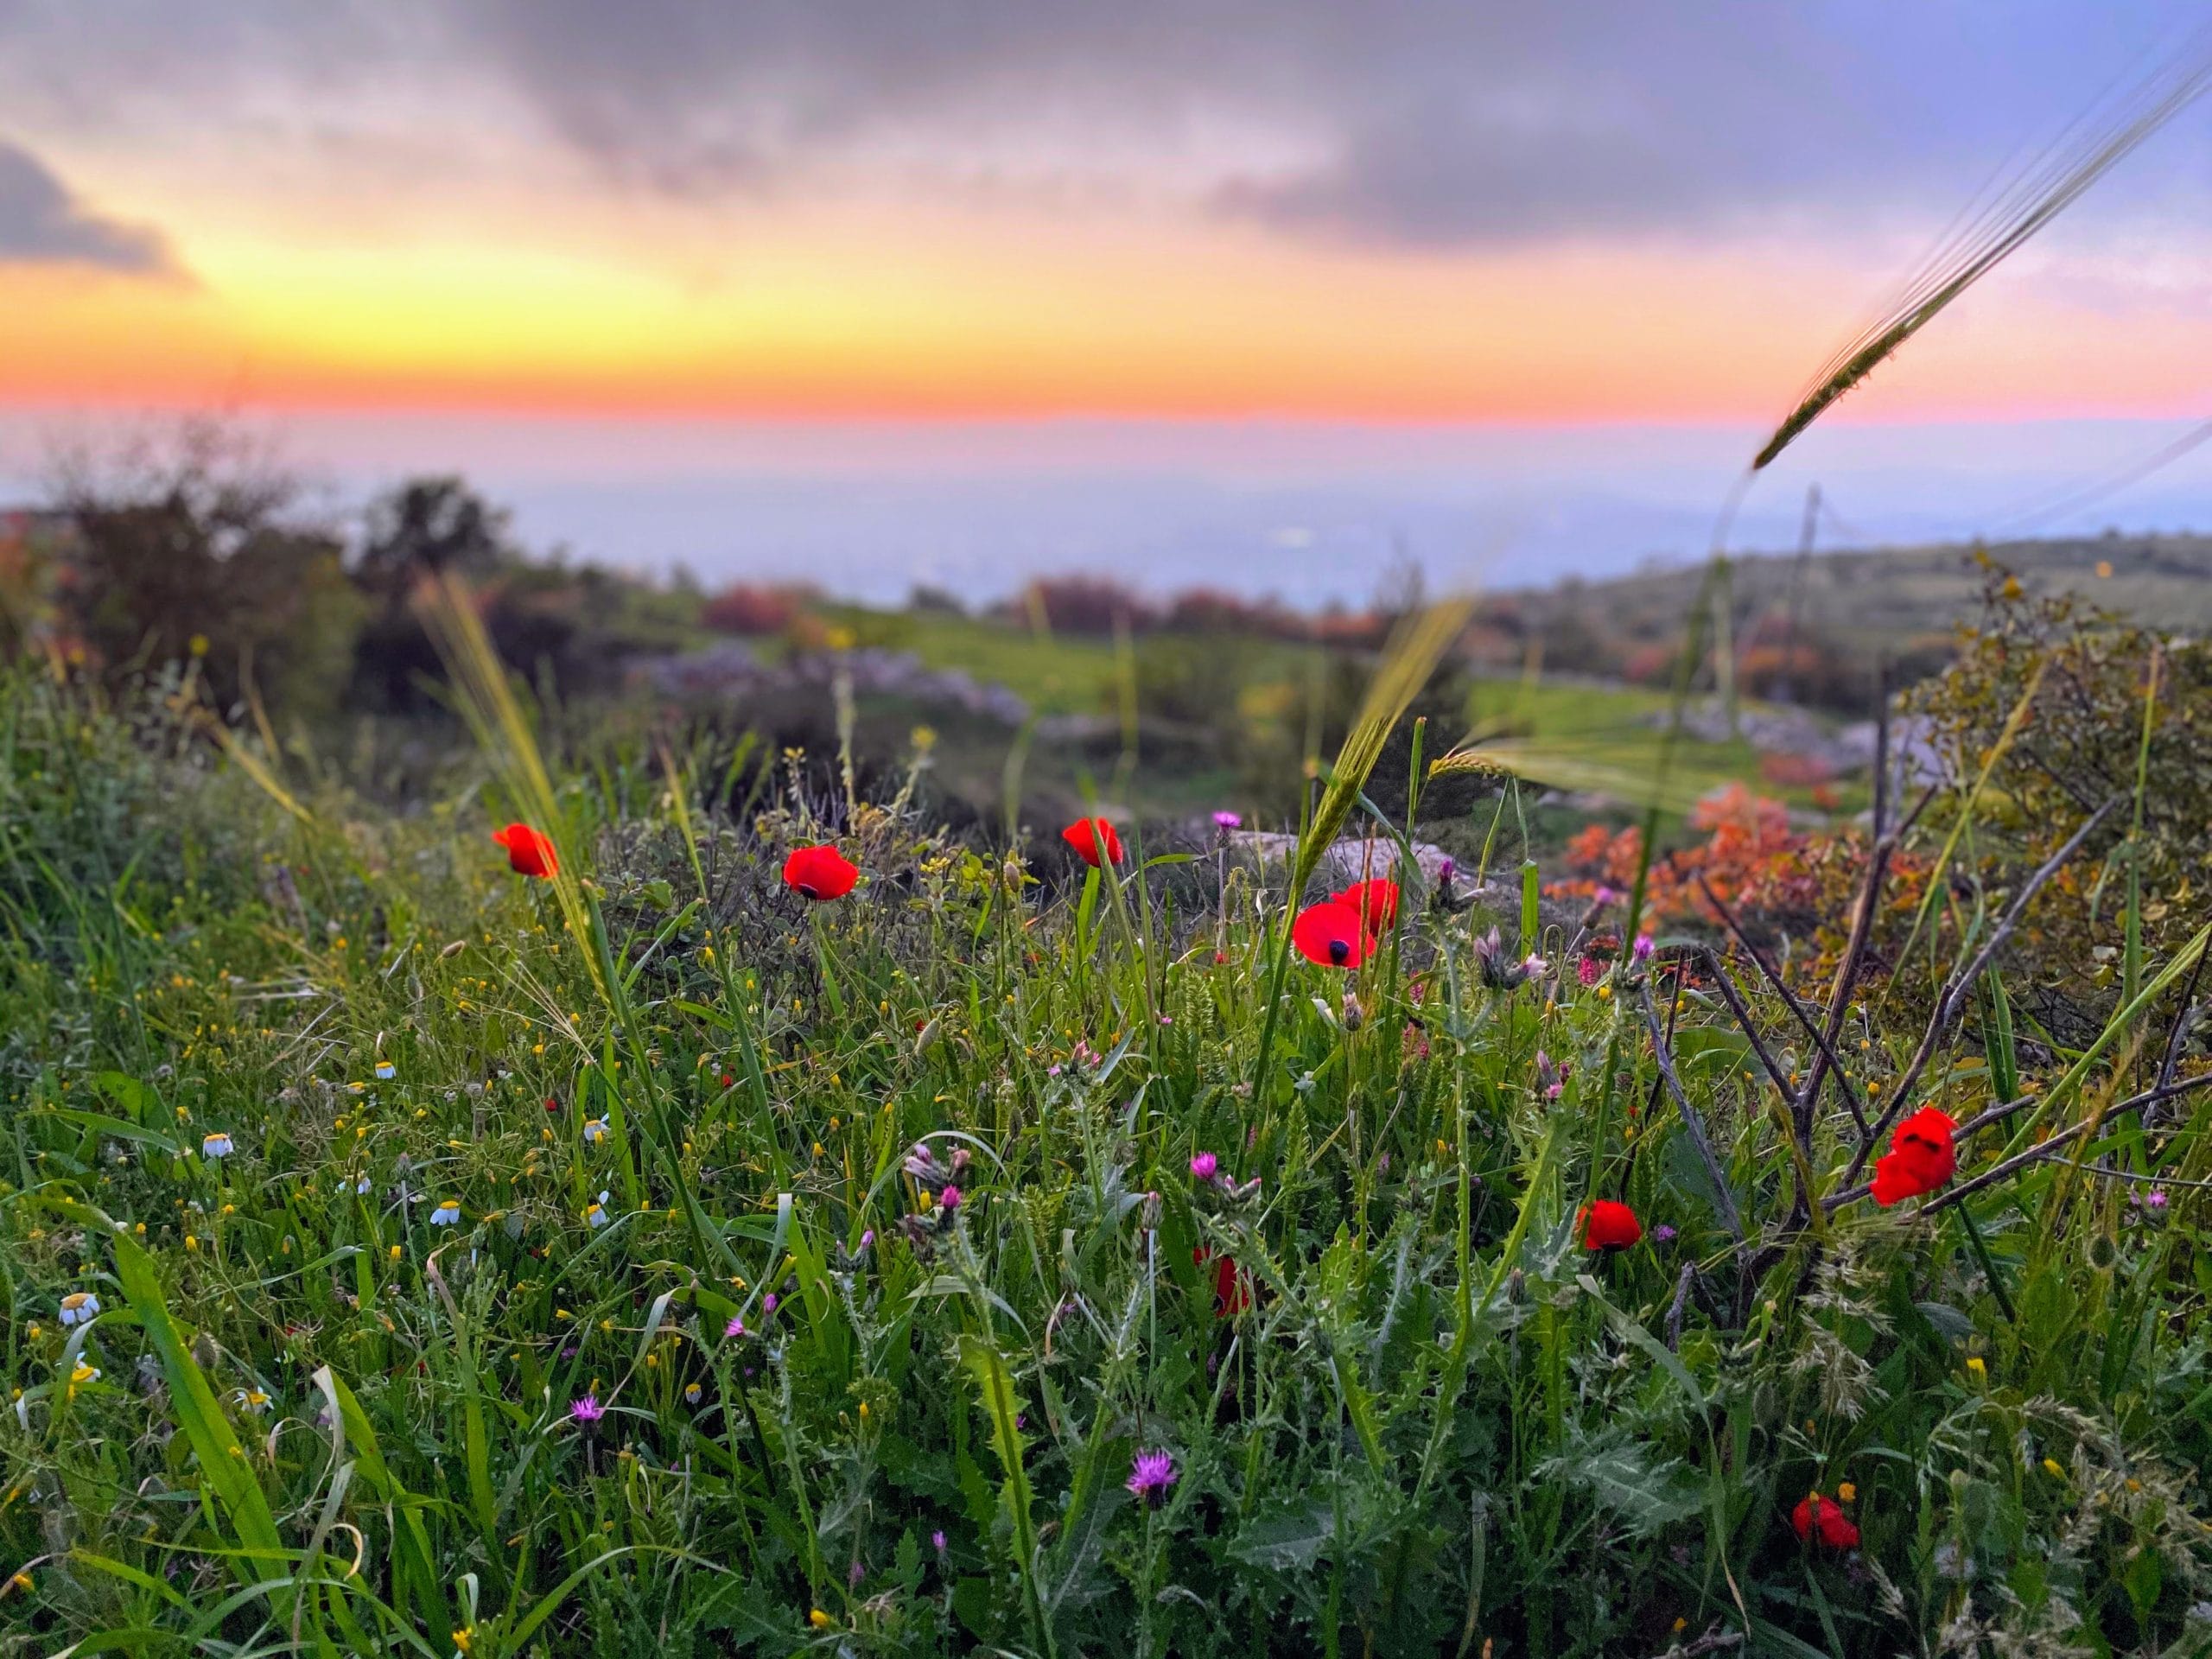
429, 526
940, 601
425, 527
195, 546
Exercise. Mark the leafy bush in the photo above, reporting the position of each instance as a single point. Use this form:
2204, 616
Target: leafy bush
2082, 676
199, 552
752, 611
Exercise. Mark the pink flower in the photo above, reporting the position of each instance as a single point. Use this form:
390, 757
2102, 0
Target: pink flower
950, 1198
1587, 971
587, 1410
1642, 948
734, 1328
1150, 1477
1551, 1076
1204, 1166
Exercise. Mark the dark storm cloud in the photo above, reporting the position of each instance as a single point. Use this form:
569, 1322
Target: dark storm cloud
1419, 122
1429, 122
41, 222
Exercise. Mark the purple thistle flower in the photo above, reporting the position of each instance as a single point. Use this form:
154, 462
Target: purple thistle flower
937, 1542
854, 1573
736, 1327
1445, 870
768, 1303
1551, 1077
950, 1198
1151, 1475
587, 1410
1642, 948
1228, 821
1662, 1234
867, 1239
2154, 1199
1204, 1166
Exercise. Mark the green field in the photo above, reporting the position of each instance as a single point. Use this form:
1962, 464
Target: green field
405, 1253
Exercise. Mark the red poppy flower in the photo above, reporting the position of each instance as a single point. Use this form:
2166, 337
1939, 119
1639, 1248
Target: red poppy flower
1921, 1158
820, 873
1376, 900
1094, 841
529, 853
1607, 1225
1824, 1517
1332, 934
1232, 1286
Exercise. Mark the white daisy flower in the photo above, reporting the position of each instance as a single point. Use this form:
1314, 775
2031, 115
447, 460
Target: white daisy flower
216, 1145
79, 1307
596, 1213
445, 1214
253, 1400
386, 1070
595, 1130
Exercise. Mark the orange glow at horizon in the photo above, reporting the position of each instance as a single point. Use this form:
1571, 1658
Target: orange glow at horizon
901, 314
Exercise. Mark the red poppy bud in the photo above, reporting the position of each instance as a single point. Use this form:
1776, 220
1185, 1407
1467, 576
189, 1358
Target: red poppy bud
529, 853
1232, 1286
820, 873
1607, 1225
1920, 1159
1823, 1518
1332, 934
1094, 841
1376, 900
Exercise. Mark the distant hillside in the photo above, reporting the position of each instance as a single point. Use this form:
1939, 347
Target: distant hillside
1900, 591
1852, 608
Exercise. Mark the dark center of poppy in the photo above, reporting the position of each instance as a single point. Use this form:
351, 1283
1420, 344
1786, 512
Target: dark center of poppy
806, 887
1338, 949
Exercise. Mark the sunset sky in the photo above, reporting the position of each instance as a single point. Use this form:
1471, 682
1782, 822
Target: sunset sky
892, 216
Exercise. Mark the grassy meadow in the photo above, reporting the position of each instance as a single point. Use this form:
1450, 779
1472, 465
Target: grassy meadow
404, 1252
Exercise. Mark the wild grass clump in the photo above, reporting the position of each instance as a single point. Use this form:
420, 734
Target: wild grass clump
402, 1253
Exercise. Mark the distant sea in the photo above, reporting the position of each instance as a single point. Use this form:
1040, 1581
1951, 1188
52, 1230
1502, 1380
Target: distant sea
1310, 512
